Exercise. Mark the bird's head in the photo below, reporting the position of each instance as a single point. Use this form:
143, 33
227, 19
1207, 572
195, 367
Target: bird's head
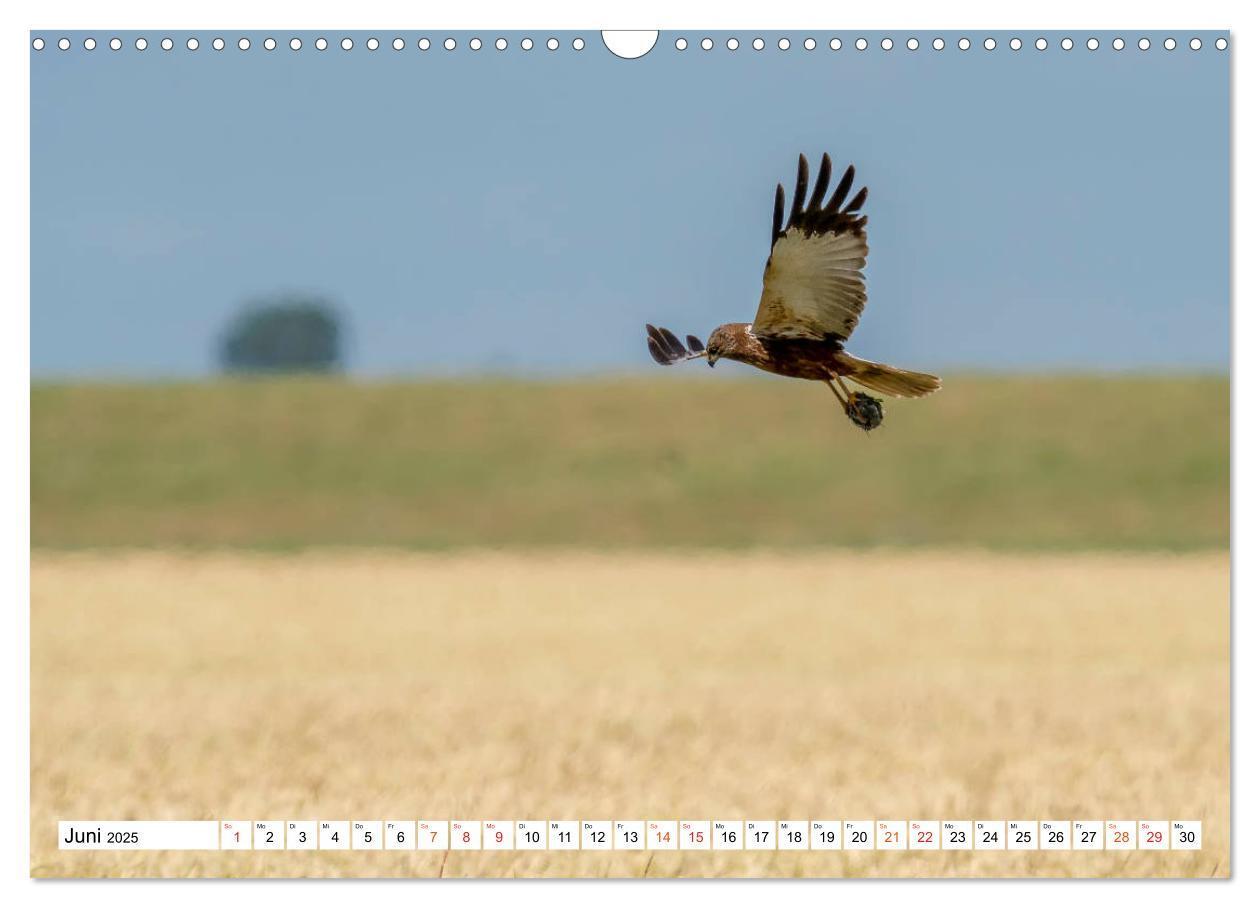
723, 341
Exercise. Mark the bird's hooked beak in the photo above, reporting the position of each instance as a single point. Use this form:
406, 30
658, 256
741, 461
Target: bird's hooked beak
713, 358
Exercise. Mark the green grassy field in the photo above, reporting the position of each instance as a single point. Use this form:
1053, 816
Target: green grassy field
1023, 463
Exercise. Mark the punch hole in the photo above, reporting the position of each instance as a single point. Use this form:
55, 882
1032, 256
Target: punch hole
500, 44
1170, 44
886, 44
321, 44
167, 44
38, 44
784, 44
1092, 44
89, 44
372, 44
860, 44
192, 44
526, 44
425, 43
706, 44
938, 44
116, 44
553, 44
964, 43
141, 43
628, 44
269, 44
758, 44
64, 44
912, 44
1066, 44
449, 44
990, 43
1144, 44
396, 44
1195, 44
218, 44
681, 44
1118, 44
1221, 44
296, 44
346, 43
810, 44
1016, 44
835, 44
578, 44
1042, 43
475, 44
732, 44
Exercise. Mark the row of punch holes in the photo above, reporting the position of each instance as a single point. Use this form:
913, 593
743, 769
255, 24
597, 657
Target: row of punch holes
553, 44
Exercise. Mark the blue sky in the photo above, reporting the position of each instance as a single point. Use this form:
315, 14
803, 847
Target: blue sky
528, 211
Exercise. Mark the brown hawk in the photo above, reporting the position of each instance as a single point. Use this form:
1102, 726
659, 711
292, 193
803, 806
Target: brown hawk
812, 295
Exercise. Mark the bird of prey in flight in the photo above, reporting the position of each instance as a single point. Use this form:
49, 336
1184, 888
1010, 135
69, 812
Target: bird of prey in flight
812, 295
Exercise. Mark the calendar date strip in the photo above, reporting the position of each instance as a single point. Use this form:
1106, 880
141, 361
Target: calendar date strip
630, 835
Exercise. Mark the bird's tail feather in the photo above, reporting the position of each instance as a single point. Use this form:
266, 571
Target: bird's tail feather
889, 379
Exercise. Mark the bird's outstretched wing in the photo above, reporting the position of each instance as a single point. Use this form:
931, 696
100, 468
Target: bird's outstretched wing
813, 285
667, 349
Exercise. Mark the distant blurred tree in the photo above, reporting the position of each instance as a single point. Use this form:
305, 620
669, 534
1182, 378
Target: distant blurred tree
291, 334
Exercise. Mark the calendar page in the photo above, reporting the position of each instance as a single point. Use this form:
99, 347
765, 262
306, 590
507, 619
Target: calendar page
707, 453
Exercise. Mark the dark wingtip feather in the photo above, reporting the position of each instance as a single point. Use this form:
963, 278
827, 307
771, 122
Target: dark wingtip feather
672, 343
858, 201
778, 214
820, 187
657, 353
842, 190
695, 344
802, 186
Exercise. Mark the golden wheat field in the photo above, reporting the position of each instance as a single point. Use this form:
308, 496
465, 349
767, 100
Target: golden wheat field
356, 685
